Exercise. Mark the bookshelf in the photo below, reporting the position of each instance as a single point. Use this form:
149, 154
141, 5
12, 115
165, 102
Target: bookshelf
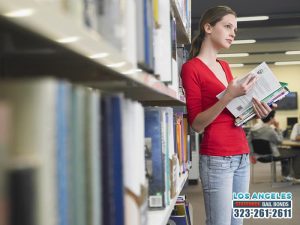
107, 71
183, 35
161, 217
82, 56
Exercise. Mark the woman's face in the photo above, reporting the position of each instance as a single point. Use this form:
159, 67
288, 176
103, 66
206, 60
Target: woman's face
223, 33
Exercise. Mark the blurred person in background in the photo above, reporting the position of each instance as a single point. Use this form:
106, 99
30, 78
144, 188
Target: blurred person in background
270, 131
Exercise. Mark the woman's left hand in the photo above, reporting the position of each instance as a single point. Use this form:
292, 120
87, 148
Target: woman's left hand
261, 109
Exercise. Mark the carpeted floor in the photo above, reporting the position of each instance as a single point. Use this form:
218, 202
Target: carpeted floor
262, 184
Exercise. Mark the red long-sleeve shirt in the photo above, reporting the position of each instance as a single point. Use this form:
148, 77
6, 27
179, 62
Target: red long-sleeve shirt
221, 137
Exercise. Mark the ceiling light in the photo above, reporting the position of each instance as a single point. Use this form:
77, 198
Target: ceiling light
252, 18
292, 52
68, 39
250, 41
99, 55
236, 65
20, 13
116, 65
233, 55
287, 63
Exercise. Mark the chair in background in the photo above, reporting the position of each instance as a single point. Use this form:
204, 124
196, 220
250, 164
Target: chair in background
263, 150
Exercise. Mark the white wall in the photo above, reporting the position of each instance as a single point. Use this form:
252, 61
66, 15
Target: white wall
288, 74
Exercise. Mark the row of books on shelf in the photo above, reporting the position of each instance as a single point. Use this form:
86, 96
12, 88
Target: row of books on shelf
182, 213
73, 155
167, 153
143, 31
184, 10
179, 56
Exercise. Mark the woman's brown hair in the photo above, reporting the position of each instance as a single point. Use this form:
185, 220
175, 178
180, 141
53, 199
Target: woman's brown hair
211, 16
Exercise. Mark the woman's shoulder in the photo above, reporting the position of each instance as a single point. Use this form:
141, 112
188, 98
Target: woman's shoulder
191, 62
190, 66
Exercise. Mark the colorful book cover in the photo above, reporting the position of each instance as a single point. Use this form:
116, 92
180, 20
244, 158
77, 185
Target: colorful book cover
156, 181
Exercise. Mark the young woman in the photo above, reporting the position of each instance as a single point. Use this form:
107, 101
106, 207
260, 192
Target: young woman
224, 159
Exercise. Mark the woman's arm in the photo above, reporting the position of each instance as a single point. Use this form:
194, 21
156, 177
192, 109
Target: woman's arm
204, 118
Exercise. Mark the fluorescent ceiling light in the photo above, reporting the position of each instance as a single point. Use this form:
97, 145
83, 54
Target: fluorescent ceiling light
252, 18
292, 52
233, 55
250, 41
68, 39
116, 65
236, 65
99, 55
287, 63
20, 13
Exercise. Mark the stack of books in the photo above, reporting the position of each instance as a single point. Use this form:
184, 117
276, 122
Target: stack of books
266, 89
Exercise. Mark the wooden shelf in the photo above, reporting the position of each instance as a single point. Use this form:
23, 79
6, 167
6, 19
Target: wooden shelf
48, 21
161, 217
183, 36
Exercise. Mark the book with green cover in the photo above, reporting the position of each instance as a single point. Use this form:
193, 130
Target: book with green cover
270, 99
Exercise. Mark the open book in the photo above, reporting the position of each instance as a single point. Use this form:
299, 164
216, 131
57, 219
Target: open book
266, 89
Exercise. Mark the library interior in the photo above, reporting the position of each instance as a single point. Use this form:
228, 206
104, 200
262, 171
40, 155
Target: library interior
97, 125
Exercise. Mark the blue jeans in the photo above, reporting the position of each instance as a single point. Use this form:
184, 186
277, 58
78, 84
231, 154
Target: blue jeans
220, 177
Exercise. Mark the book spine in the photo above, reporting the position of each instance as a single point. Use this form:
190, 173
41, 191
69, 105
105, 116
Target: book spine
118, 188
62, 151
77, 156
156, 181
22, 195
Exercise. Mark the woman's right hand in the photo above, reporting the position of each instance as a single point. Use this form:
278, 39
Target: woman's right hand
237, 88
